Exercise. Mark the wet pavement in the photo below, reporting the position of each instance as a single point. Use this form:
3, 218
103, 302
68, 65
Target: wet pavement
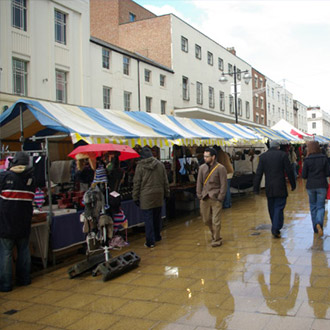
252, 281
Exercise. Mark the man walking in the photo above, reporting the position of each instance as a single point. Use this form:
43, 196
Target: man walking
150, 186
16, 196
275, 163
211, 190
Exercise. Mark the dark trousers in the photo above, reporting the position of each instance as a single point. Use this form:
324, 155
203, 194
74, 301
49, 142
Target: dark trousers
153, 225
23, 263
276, 207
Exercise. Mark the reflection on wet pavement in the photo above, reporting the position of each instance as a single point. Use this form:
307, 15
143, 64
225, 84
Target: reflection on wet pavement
251, 282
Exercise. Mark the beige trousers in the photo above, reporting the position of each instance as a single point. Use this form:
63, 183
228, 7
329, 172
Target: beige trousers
210, 211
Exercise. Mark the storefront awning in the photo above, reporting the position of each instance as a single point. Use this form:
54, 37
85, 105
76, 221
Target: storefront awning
111, 126
280, 136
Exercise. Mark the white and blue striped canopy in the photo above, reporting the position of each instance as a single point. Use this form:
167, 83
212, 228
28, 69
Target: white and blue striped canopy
111, 126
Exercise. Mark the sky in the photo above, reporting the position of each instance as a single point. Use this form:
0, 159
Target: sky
287, 41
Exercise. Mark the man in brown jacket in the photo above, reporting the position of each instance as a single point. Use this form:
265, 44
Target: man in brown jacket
150, 187
211, 191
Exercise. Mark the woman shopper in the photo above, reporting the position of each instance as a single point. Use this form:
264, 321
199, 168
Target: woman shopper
316, 170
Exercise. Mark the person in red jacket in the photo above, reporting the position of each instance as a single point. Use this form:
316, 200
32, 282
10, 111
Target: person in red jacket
16, 197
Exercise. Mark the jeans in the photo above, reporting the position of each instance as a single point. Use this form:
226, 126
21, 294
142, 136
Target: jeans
294, 167
227, 201
153, 225
23, 262
317, 205
276, 207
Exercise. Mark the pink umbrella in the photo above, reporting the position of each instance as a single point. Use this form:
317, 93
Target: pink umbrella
97, 150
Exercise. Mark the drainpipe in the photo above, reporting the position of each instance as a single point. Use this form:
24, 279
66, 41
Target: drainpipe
139, 91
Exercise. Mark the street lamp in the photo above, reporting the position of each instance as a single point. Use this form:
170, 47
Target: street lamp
223, 79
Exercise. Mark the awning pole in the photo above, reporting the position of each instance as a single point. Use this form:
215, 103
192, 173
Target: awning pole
21, 139
49, 188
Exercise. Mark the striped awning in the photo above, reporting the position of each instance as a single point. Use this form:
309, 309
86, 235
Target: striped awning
272, 134
120, 127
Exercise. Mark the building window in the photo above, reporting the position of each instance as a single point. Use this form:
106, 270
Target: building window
313, 115
278, 96
268, 95
273, 93
19, 77
314, 124
239, 75
127, 101
257, 118
211, 97
239, 105
185, 88
273, 106
198, 51
262, 120
230, 69
231, 104
222, 101
163, 107
247, 109
256, 81
220, 63
61, 86
162, 80
282, 113
256, 101
126, 65
132, 17
105, 58
268, 108
60, 27
210, 58
148, 103
184, 44
147, 75
18, 10
106, 97
261, 103
260, 82
199, 93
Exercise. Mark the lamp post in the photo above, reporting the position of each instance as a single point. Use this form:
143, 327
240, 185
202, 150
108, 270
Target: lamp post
223, 79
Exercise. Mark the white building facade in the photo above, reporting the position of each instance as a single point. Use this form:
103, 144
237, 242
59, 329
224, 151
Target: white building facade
300, 115
198, 63
44, 51
279, 103
47, 54
318, 121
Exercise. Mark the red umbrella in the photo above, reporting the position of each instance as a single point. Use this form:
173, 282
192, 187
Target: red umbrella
96, 150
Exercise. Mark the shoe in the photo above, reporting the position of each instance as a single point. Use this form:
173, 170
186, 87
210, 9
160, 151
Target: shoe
319, 230
277, 235
216, 243
158, 239
149, 246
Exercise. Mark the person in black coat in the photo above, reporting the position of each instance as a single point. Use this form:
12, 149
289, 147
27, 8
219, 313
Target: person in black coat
16, 195
275, 164
316, 170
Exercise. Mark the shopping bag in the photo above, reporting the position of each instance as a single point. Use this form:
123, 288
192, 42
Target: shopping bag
328, 192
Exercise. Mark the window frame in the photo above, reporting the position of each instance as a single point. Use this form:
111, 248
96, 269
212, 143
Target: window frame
198, 52
247, 109
231, 104
62, 38
132, 17
19, 7
105, 58
65, 85
199, 93
20, 73
127, 97
148, 104
163, 108
106, 98
211, 97
222, 104
230, 69
209, 58
220, 64
184, 44
185, 90
126, 65
147, 75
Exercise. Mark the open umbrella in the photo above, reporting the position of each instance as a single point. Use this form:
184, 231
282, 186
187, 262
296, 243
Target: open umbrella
96, 150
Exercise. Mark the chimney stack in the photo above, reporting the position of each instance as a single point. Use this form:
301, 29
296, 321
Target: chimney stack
232, 50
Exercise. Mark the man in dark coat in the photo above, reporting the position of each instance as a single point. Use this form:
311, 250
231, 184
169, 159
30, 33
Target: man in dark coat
16, 196
150, 187
275, 163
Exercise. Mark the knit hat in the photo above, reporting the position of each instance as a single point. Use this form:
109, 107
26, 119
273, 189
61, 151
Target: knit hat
21, 158
274, 144
146, 152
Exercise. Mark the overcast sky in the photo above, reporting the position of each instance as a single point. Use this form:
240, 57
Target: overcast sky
285, 40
